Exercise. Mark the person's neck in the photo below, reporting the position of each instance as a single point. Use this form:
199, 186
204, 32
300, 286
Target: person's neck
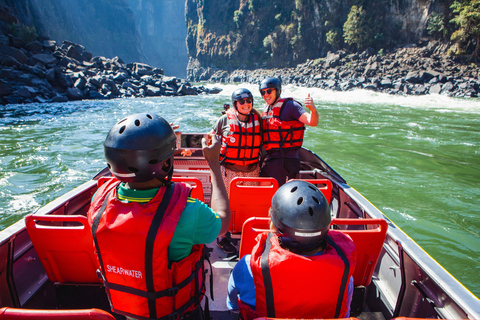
242, 117
151, 184
307, 253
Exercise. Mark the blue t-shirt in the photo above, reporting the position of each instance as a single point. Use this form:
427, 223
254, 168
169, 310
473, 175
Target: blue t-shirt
291, 111
241, 286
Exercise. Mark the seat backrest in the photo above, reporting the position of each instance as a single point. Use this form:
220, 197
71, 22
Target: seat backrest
324, 185
251, 228
369, 244
265, 318
71, 314
195, 183
250, 201
64, 244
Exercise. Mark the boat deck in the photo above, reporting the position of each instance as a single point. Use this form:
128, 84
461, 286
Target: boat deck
405, 281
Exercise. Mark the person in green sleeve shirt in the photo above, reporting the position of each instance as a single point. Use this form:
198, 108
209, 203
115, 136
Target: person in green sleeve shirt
148, 232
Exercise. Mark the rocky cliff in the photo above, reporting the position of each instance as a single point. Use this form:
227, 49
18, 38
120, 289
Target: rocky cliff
162, 30
146, 31
233, 34
35, 68
106, 27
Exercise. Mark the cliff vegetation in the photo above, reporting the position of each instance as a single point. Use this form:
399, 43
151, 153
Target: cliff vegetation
250, 34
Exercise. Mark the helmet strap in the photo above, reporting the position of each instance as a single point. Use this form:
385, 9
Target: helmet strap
277, 95
166, 179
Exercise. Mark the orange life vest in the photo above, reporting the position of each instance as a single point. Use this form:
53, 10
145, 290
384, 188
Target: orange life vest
288, 285
242, 145
279, 134
132, 240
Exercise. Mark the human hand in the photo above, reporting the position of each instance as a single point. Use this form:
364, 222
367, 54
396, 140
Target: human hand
309, 103
211, 148
174, 126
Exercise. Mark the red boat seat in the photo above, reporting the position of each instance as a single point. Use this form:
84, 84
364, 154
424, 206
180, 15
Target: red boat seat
407, 318
324, 185
65, 247
369, 242
264, 318
250, 201
195, 183
251, 228
75, 314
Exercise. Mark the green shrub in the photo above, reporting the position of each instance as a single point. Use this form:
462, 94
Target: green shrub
356, 31
238, 18
27, 33
334, 39
436, 26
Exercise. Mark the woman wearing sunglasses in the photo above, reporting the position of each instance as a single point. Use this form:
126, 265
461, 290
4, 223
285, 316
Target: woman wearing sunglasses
283, 124
241, 134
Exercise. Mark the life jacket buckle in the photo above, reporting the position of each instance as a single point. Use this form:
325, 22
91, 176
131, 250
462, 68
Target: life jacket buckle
172, 291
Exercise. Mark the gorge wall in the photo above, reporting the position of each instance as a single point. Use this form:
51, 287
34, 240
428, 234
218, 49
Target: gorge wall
146, 31
250, 34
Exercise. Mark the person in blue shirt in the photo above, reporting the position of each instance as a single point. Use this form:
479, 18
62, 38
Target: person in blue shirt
309, 266
283, 125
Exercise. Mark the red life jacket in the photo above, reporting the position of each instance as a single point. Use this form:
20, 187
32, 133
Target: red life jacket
132, 240
279, 134
241, 146
289, 285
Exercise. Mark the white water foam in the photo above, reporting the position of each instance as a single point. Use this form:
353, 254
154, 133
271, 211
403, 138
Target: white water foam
435, 102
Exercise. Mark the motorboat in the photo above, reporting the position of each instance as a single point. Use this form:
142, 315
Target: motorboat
48, 268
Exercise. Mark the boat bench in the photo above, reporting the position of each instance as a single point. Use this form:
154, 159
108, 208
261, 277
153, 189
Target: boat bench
255, 201
64, 243
71, 314
249, 201
195, 183
369, 242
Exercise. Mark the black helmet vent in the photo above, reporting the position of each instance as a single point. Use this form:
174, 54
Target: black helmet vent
316, 200
300, 201
122, 129
137, 123
153, 161
294, 189
149, 116
310, 211
132, 169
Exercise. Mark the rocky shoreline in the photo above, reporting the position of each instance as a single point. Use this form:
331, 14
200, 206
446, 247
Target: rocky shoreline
41, 71
415, 70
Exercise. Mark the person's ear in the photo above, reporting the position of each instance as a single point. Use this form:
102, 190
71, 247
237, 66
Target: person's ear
272, 227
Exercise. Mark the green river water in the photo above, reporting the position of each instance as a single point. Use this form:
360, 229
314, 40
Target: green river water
417, 159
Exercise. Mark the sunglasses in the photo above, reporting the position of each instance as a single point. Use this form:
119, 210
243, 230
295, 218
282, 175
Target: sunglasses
268, 91
248, 100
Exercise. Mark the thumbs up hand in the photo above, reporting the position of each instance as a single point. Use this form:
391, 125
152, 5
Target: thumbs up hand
309, 103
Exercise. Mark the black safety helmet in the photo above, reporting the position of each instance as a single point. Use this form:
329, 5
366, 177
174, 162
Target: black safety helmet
301, 214
240, 94
271, 82
140, 147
